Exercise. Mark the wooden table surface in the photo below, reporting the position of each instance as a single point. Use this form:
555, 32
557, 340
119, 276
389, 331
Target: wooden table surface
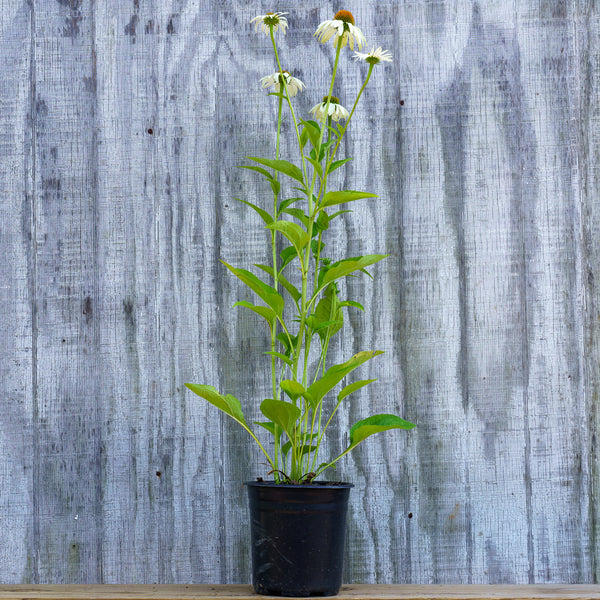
348, 592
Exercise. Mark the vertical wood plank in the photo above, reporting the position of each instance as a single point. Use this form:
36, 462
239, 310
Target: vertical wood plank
589, 177
16, 320
67, 416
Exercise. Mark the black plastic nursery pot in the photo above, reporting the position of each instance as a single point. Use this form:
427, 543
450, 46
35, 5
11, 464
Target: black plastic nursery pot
297, 537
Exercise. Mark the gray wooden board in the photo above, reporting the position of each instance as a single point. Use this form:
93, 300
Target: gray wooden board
121, 126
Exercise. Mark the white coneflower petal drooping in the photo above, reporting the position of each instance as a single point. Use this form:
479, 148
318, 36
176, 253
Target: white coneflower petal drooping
277, 20
292, 84
341, 26
374, 57
336, 111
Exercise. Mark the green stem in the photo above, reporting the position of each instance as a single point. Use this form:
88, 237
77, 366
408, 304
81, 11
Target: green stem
362, 89
275, 285
312, 216
287, 97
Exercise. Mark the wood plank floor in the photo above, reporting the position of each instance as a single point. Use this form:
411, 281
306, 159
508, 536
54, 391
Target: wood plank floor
348, 592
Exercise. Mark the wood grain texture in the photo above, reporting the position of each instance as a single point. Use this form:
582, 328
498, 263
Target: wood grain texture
245, 592
121, 126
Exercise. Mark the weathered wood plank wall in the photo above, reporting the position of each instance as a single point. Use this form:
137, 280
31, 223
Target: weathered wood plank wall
121, 123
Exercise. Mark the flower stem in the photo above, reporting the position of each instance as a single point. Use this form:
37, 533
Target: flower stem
275, 285
311, 220
362, 89
287, 97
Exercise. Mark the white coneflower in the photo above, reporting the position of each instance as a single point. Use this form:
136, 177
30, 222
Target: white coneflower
292, 84
374, 57
336, 111
341, 26
277, 20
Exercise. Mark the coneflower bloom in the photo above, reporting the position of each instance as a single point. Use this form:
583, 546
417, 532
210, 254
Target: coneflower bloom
374, 57
277, 20
336, 111
292, 84
341, 26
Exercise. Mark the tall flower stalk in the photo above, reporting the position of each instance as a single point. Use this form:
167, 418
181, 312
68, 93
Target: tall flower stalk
301, 299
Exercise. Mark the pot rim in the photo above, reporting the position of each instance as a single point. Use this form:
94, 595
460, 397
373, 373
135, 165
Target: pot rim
328, 485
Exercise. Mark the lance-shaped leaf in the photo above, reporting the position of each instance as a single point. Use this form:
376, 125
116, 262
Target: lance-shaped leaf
282, 357
270, 296
328, 318
293, 232
298, 213
347, 266
258, 170
337, 163
352, 303
363, 429
333, 198
264, 311
282, 413
313, 131
292, 290
335, 374
316, 164
283, 166
287, 256
287, 202
229, 404
353, 387
266, 217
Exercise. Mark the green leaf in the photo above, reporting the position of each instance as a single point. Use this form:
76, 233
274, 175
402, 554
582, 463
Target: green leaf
316, 248
258, 170
302, 439
291, 289
324, 148
266, 217
281, 413
275, 186
352, 303
347, 266
282, 357
270, 296
287, 256
264, 311
285, 203
336, 373
338, 213
303, 138
328, 313
337, 163
268, 425
353, 387
293, 232
315, 164
283, 166
298, 213
229, 404
282, 338
313, 130
322, 222
292, 388
363, 429
333, 198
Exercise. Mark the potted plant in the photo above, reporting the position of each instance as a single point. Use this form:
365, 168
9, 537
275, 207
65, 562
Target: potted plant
298, 522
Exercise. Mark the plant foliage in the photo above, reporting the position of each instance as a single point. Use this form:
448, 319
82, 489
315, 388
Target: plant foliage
299, 293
